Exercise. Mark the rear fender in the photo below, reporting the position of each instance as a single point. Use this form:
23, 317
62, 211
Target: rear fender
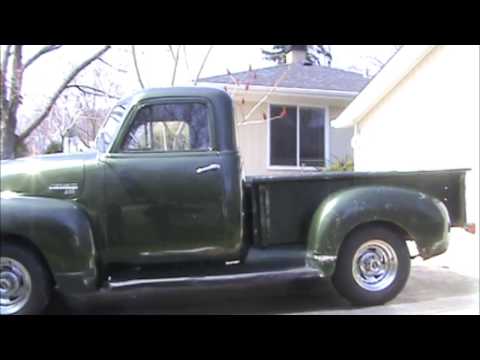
424, 218
61, 231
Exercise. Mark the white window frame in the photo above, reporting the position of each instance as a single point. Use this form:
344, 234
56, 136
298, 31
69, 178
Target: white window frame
326, 140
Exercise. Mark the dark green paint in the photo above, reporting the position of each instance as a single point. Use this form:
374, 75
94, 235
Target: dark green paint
134, 209
33, 176
159, 210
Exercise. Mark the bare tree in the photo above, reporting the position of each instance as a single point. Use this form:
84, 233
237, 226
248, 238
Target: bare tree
79, 112
53, 130
11, 94
378, 63
246, 116
175, 53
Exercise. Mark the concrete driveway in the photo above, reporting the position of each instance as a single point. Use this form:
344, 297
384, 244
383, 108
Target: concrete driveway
447, 284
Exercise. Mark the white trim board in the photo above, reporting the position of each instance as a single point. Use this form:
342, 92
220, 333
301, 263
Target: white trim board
386, 80
254, 89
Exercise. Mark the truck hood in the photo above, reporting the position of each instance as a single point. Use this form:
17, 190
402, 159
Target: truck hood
56, 175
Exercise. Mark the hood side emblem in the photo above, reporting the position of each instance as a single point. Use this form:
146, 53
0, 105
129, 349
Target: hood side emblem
68, 189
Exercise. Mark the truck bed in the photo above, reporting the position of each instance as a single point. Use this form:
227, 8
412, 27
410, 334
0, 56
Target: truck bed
279, 208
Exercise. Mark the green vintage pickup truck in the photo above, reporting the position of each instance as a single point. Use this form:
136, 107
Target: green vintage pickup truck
163, 200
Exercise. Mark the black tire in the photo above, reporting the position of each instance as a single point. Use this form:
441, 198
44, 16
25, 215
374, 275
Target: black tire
41, 284
344, 279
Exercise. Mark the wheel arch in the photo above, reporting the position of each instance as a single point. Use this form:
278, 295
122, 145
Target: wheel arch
397, 208
387, 224
62, 237
29, 245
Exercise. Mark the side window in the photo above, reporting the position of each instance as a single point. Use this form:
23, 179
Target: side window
169, 127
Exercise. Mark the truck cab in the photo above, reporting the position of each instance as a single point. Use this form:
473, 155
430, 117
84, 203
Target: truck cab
173, 175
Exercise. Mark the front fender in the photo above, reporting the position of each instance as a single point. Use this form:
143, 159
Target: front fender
61, 231
424, 218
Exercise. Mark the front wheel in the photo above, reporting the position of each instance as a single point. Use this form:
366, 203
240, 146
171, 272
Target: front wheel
373, 266
25, 286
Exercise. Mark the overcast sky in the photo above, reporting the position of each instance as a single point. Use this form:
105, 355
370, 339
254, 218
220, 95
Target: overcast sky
155, 62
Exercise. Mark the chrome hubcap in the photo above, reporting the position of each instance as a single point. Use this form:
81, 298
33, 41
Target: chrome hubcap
15, 285
375, 265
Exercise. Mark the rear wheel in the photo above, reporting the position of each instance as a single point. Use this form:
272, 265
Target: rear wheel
25, 286
373, 266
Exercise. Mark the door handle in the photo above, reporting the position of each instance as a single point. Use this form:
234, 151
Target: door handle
210, 167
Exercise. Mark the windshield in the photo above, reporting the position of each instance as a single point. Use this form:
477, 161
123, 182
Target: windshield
110, 127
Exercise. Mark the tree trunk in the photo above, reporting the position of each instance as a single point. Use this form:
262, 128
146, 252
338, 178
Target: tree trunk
7, 138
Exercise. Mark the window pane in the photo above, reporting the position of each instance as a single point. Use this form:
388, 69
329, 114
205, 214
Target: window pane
170, 127
312, 137
137, 138
283, 136
171, 135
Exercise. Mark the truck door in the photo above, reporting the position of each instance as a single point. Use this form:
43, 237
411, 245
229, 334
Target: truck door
164, 188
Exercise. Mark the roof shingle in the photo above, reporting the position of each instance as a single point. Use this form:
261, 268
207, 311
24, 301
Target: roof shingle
297, 76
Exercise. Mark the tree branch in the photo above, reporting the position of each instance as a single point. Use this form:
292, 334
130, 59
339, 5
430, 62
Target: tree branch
203, 63
175, 64
171, 52
42, 51
263, 99
186, 58
139, 78
113, 67
59, 91
252, 122
93, 91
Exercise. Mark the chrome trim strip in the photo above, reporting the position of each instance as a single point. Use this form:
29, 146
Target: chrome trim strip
324, 258
279, 273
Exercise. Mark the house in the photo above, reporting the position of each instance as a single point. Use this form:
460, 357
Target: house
283, 114
72, 142
420, 112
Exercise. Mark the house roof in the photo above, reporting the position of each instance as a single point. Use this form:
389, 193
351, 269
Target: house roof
297, 76
386, 80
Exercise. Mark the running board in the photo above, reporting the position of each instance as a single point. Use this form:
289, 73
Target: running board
293, 273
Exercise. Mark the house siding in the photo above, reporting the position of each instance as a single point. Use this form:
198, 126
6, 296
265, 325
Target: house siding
428, 121
340, 144
252, 138
340, 139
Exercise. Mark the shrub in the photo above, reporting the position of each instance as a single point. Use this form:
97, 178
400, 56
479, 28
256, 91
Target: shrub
53, 148
345, 164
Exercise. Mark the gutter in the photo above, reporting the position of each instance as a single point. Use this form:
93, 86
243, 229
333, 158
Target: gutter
399, 66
